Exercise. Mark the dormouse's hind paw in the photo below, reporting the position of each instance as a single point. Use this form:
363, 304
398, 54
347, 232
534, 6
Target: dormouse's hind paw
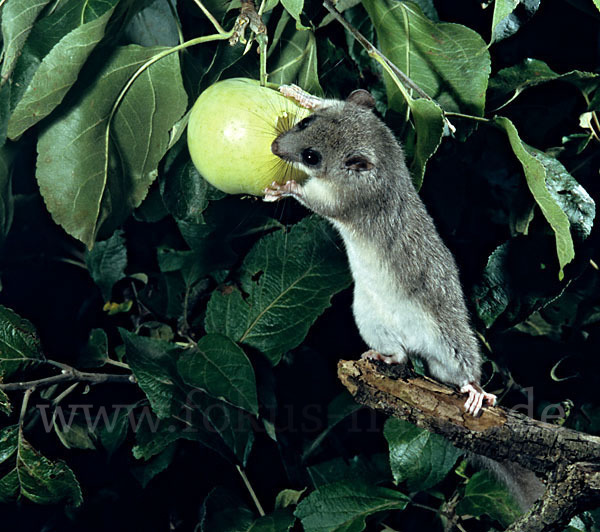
303, 98
275, 191
371, 354
476, 399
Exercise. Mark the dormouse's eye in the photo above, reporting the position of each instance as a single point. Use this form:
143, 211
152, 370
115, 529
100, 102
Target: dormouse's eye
303, 124
310, 157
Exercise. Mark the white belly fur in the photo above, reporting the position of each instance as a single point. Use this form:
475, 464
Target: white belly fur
388, 320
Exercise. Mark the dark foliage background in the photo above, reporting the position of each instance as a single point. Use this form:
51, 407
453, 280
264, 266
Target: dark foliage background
176, 276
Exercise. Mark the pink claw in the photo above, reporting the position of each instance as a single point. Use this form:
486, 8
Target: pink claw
476, 399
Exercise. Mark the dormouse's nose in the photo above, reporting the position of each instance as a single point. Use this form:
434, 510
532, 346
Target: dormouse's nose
275, 147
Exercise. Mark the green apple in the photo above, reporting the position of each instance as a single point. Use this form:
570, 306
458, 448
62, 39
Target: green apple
230, 131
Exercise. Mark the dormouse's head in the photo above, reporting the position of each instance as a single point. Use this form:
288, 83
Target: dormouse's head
343, 143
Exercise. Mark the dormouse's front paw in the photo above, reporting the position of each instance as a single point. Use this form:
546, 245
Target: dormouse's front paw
476, 399
303, 98
275, 191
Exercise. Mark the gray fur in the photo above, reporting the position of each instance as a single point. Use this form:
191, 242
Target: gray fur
407, 298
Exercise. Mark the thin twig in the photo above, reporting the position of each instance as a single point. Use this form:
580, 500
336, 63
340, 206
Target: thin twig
67, 375
251, 490
373, 51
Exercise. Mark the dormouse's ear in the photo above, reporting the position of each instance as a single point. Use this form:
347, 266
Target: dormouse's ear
362, 98
358, 163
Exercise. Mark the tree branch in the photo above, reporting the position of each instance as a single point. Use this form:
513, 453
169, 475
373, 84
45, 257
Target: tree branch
570, 460
68, 374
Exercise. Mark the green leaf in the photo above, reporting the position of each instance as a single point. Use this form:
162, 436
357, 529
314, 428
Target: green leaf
218, 366
19, 344
6, 195
287, 498
278, 521
18, 17
297, 62
535, 174
155, 25
8, 442
225, 512
516, 281
568, 194
56, 74
157, 464
344, 506
290, 279
429, 125
112, 433
450, 62
33, 475
153, 364
485, 495
294, 8
531, 72
107, 263
95, 352
5, 406
502, 9
340, 407
75, 434
184, 191
91, 176
417, 456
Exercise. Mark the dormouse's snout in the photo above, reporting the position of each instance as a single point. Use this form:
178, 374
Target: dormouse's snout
275, 147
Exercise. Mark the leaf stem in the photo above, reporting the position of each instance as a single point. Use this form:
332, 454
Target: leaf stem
24, 405
210, 17
251, 490
468, 117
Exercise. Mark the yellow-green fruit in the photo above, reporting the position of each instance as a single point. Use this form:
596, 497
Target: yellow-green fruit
230, 131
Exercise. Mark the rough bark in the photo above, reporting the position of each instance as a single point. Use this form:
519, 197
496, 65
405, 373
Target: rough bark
567, 459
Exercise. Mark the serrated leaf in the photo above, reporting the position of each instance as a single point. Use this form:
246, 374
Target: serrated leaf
43, 481
33, 475
218, 366
531, 72
419, 457
153, 364
290, 279
92, 176
568, 194
485, 495
107, 262
8, 442
19, 343
344, 506
450, 62
56, 74
18, 17
535, 174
